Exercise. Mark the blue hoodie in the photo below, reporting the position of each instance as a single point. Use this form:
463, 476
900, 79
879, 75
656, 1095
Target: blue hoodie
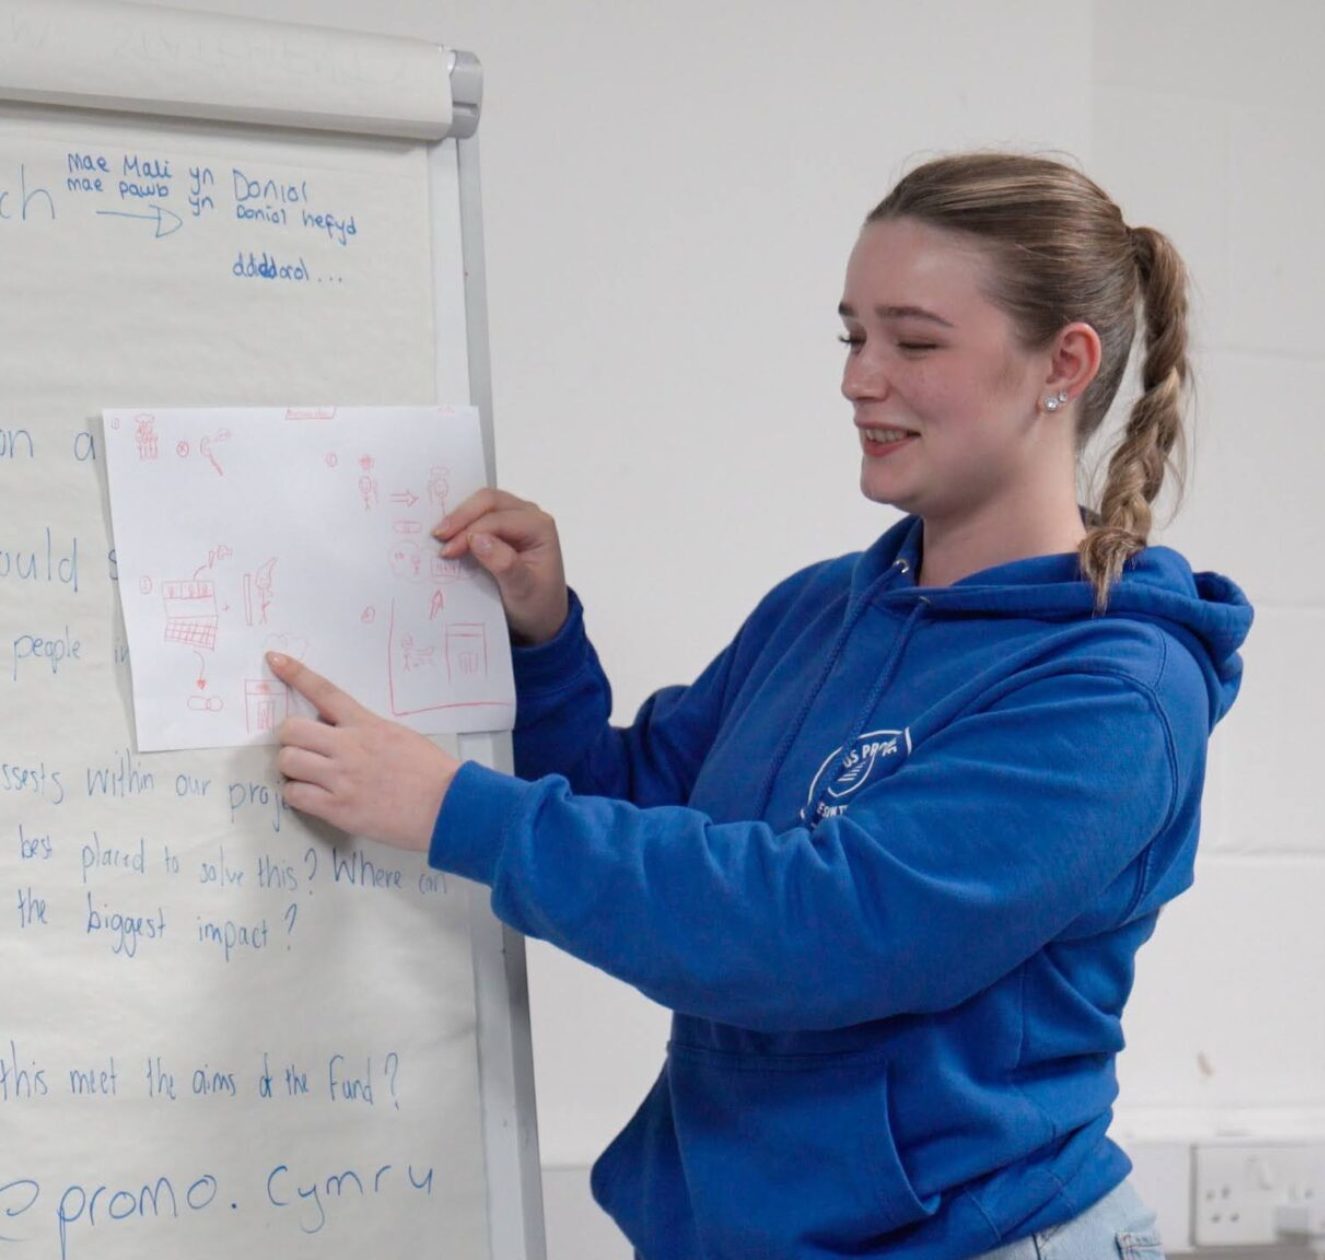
888, 859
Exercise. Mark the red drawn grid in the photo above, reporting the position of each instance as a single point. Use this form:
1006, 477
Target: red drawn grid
191, 615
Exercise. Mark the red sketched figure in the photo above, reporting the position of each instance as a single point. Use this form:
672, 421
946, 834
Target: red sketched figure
259, 590
367, 483
439, 486
415, 657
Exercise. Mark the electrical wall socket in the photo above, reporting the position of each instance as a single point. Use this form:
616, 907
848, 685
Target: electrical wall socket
1244, 1193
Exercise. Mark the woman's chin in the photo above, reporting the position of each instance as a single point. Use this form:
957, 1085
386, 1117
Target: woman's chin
886, 496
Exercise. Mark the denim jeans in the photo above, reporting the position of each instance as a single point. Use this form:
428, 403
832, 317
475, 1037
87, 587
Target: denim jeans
1118, 1227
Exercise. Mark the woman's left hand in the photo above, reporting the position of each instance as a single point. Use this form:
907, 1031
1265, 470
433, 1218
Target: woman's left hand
356, 770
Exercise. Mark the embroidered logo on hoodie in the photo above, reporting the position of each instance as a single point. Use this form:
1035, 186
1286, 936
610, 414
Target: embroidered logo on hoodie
851, 773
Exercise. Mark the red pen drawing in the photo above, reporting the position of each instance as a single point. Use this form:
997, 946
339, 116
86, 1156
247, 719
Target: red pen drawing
368, 616
467, 649
191, 615
407, 527
437, 605
259, 590
442, 569
206, 704
407, 561
432, 666
407, 497
145, 436
439, 486
182, 449
310, 413
286, 645
205, 445
201, 681
266, 704
413, 656
144, 586
219, 552
331, 459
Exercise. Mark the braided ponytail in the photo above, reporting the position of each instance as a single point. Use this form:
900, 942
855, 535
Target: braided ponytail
1121, 527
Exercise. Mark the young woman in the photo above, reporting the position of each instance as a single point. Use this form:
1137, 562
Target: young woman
890, 857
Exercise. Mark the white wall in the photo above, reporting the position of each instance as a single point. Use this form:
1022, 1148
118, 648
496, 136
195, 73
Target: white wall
671, 190
1209, 120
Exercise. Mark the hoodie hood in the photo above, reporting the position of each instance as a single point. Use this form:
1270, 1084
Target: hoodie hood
1206, 612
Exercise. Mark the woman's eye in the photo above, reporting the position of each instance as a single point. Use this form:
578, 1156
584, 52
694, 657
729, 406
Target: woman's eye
850, 341
917, 345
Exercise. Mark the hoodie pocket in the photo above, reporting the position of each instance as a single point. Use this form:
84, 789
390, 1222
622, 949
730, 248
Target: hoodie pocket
785, 1152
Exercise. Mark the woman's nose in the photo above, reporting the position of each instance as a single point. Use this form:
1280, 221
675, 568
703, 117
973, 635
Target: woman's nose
863, 376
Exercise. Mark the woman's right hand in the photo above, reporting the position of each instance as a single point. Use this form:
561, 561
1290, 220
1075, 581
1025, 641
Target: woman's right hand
516, 541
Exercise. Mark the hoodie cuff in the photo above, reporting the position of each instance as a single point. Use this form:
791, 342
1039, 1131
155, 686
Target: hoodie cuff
550, 664
469, 834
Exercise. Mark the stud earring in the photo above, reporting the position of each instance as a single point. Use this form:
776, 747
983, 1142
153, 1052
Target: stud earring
1053, 402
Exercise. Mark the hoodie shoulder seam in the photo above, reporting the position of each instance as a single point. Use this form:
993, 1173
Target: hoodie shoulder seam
1151, 693
1170, 748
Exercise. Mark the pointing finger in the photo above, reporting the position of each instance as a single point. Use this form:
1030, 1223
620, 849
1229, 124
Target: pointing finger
333, 704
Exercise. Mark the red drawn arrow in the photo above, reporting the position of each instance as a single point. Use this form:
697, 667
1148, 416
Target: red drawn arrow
407, 497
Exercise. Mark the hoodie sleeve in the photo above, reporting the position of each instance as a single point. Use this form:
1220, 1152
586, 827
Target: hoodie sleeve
564, 701
996, 833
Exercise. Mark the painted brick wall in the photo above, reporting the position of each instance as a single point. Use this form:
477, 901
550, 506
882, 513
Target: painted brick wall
1209, 122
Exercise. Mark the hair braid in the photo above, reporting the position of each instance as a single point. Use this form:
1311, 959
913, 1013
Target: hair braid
1154, 427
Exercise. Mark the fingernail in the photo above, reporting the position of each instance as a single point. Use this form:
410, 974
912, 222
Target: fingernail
276, 660
442, 526
481, 543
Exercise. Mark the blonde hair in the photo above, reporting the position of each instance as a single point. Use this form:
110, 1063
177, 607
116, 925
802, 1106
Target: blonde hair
1062, 252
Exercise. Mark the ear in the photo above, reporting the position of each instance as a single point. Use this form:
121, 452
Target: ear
1074, 361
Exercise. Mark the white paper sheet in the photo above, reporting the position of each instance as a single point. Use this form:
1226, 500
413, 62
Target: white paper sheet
307, 531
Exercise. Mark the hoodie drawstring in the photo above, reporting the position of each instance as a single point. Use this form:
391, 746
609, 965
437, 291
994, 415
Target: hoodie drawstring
848, 625
876, 692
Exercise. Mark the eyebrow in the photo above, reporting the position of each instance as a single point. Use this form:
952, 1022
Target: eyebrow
896, 312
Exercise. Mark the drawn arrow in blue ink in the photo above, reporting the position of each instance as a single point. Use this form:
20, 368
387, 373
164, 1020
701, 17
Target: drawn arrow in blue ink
159, 217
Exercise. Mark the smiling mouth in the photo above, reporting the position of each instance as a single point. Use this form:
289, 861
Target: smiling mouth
886, 437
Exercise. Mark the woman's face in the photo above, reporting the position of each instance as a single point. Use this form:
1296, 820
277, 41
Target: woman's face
945, 399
